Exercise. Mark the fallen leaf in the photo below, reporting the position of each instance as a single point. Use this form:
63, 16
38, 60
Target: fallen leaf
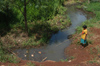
69, 61
26, 51
32, 55
24, 55
39, 52
19, 40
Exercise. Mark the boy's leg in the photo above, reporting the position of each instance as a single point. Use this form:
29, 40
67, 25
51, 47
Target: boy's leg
82, 43
85, 43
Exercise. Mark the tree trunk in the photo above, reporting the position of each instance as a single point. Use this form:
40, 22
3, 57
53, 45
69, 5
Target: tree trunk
7, 17
25, 17
88, 1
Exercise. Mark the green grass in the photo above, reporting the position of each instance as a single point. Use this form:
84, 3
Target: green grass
71, 2
92, 7
30, 64
69, 58
78, 43
95, 49
6, 56
94, 60
90, 41
64, 60
91, 50
98, 49
72, 57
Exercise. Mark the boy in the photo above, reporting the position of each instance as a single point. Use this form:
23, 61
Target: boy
84, 35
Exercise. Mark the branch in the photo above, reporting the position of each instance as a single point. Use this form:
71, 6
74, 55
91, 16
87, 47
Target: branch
44, 59
16, 5
13, 53
19, 8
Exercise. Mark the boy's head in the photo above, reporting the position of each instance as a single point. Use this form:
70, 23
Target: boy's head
84, 27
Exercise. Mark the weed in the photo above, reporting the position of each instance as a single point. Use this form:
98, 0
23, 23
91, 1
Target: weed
90, 61
90, 35
94, 50
91, 52
13, 59
4, 57
64, 60
98, 49
9, 65
79, 29
72, 57
69, 58
30, 42
30, 64
93, 60
78, 42
62, 10
41, 65
79, 6
90, 41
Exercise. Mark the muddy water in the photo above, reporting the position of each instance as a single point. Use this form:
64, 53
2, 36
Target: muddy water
58, 42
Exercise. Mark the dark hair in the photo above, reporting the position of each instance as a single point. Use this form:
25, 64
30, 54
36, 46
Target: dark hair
84, 26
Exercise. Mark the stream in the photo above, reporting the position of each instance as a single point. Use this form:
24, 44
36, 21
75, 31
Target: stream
54, 50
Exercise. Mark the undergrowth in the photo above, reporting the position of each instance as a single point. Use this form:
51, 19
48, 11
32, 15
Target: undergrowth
39, 31
6, 56
93, 22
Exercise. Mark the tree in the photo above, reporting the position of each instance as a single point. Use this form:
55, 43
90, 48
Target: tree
5, 10
21, 5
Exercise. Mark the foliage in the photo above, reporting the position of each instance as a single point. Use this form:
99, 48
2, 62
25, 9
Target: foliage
36, 10
68, 59
92, 7
94, 60
31, 64
93, 22
62, 60
6, 56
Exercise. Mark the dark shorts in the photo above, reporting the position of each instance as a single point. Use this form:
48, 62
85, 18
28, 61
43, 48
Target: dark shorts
83, 41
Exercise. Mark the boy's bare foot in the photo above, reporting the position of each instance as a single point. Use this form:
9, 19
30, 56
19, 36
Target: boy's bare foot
81, 47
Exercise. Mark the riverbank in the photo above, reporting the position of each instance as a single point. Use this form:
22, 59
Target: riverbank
39, 34
91, 53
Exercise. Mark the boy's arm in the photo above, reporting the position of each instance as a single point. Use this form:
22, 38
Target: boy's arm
85, 36
82, 33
